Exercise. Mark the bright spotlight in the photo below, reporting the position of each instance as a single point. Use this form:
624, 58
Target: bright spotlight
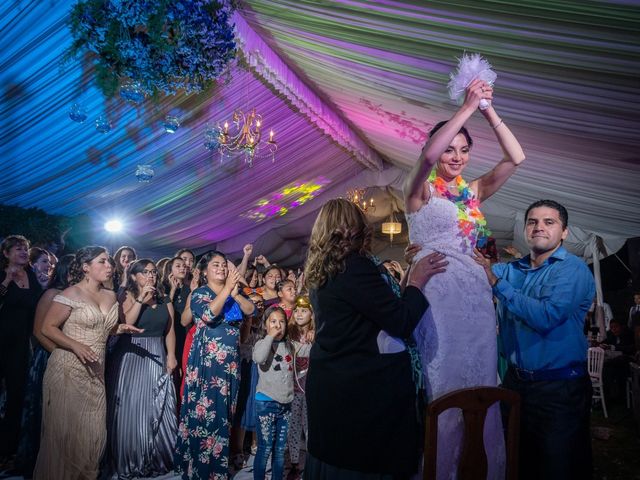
113, 226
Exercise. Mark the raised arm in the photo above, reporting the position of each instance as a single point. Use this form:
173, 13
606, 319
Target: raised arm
513, 155
131, 307
246, 253
415, 193
187, 316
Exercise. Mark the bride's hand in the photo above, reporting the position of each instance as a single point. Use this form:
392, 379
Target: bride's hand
476, 91
422, 271
485, 263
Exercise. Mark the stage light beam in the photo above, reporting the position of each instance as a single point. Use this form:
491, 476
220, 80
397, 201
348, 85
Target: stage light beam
113, 226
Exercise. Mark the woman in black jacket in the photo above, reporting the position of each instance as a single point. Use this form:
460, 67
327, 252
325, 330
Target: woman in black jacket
361, 394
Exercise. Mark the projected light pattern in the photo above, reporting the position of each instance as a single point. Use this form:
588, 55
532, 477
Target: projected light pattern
283, 201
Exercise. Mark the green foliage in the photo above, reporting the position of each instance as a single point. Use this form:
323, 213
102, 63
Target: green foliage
45, 230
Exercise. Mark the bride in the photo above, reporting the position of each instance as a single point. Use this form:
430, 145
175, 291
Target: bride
457, 334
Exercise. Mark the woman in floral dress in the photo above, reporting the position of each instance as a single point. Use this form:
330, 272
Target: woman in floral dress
212, 375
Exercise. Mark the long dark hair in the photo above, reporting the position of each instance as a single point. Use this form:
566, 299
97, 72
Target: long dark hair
61, 279
204, 261
166, 271
118, 254
262, 332
35, 253
186, 250
82, 256
462, 131
132, 285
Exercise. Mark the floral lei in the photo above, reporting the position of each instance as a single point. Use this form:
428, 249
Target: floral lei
471, 221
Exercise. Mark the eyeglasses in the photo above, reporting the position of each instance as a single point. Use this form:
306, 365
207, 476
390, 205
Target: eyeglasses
148, 273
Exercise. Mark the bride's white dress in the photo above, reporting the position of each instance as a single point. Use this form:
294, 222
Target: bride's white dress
457, 334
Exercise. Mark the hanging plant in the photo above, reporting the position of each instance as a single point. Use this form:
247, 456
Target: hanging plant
162, 46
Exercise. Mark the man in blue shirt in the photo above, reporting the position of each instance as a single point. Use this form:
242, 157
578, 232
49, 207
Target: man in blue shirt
542, 302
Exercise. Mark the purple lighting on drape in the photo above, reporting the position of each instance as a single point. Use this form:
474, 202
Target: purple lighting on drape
274, 71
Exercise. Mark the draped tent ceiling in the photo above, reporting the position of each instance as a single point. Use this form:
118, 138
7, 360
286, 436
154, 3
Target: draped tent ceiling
351, 88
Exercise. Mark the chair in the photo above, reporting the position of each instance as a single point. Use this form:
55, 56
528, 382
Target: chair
474, 403
595, 361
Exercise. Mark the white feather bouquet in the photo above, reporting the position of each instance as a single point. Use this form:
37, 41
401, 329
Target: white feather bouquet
470, 67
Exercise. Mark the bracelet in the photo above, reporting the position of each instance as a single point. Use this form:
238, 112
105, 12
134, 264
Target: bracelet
139, 301
497, 124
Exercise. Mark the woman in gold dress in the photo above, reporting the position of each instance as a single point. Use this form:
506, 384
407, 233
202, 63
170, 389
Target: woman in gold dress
74, 407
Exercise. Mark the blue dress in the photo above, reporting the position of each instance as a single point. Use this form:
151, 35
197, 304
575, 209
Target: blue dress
210, 390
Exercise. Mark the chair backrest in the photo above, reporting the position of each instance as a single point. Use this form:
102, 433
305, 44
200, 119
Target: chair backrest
474, 403
595, 360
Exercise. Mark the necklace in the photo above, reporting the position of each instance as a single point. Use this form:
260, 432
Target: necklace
472, 225
21, 280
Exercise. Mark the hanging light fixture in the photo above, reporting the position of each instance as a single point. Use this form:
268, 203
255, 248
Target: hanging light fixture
392, 226
243, 134
357, 196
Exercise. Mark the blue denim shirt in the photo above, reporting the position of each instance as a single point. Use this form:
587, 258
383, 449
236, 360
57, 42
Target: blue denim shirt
541, 310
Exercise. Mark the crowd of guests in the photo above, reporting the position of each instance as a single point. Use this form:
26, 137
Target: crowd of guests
121, 367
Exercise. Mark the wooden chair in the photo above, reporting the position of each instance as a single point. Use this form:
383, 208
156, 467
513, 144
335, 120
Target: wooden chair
474, 403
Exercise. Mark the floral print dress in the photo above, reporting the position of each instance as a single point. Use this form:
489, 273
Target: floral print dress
210, 390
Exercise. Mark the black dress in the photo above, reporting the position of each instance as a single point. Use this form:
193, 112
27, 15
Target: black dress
361, 403
141, 400
179, 303
17, 309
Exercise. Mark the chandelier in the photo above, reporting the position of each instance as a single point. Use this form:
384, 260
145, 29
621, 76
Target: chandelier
242, 135
357, 196
392, 227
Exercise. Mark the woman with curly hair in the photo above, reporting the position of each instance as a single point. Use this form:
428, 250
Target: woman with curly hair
361, 382
73, 395
32, 410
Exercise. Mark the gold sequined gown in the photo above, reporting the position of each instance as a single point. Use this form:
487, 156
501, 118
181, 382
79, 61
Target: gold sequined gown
73, 399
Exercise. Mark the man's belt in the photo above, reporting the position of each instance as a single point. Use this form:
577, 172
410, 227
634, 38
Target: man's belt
576, 370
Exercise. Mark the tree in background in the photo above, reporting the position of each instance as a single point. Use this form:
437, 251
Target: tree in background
57, 233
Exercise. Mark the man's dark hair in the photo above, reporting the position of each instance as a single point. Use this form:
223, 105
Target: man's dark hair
618, 321
562, 212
